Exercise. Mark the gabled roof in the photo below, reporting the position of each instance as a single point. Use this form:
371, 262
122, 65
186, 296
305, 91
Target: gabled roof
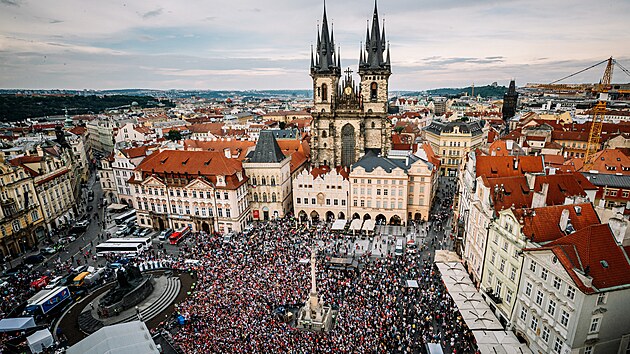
592, 251
611, 161
267, 149
562, 186
136, 151
370, 161
503, 166
542, 225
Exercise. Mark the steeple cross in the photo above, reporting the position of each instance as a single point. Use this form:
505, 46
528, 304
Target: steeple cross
348, 71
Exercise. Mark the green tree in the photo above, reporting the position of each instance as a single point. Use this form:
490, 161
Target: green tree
399, 129
174, 135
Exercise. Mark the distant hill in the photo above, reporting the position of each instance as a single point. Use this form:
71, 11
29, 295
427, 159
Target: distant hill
16, 108
483, 91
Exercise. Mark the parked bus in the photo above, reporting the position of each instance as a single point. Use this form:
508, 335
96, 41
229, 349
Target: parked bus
44, 302
128, 249
145, 241
177, 236
124, 218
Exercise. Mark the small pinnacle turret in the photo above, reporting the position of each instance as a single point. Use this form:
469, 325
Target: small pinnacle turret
326, 61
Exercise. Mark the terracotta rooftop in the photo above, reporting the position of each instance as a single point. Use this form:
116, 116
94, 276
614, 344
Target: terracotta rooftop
542, 225
193, 163
507, 192
78, 130
562, 186
569, 135
595, 252
611, 161
504, 166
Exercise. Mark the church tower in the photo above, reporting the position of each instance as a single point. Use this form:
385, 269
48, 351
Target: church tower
349, 119
510, 100
325, 69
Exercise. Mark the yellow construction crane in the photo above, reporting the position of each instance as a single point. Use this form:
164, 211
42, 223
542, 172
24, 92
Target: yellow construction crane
599, 111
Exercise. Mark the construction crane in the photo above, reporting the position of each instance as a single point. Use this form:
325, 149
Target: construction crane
599, 111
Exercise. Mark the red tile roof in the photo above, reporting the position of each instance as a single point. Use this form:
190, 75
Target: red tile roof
611, 161
507, 192
593, 251
562, 186
569, 135
136, 151
78, 130
542, 225
193, 163
238, 148
503, 166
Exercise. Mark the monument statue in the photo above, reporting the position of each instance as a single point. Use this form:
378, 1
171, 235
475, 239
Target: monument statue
131, 288
315, 315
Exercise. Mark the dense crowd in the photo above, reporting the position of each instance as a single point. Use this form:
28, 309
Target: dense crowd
240, 284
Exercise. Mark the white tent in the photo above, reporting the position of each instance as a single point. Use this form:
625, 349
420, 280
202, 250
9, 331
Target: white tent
16, 324
369, 225
132, 337
40, 340
339, 225
356, 224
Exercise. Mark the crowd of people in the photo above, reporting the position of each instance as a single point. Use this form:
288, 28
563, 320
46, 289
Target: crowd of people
241, 283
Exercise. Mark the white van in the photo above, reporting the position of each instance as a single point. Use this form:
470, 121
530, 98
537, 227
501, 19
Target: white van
400, 247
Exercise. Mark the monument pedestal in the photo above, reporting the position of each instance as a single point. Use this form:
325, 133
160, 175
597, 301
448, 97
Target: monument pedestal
315, 315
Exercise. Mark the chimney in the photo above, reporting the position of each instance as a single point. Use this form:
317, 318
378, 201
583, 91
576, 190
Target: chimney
531, 180
564, 220
619, 228
509, 145
515, 163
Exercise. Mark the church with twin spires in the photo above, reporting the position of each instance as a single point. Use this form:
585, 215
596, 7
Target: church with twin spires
350, 118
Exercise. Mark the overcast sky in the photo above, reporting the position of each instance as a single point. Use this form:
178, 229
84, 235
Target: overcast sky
262, 44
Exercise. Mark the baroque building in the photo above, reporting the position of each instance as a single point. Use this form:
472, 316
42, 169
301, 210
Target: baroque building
350, 118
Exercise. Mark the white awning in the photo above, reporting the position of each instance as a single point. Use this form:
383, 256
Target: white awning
116, 207
412, 283
339, 225
356, 224
132, 337
369, 225
488, 331
16, 324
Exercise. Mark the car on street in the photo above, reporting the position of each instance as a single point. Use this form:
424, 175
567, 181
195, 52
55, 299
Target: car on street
143, 232
34, 259
125, 230
81, 225
48, 250
165, 234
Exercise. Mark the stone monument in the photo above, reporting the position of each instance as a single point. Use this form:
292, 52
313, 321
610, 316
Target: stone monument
131, 289
315, 315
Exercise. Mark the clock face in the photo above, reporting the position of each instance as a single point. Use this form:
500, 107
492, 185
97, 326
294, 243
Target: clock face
348, 90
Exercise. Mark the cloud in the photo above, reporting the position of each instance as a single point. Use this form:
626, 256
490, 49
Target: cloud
152, 13
15, 3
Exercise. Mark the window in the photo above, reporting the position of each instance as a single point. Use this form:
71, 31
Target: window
343, 202
34, 215
588, 349
498, 288
543, 273
502, 265
545, 334
220, 212
373, 91
601, 299
512, 273
298, 200
564, 318
228, 213
539, 297
557, 283
508, 296
533, 325
493, 257
594, 325
528, 289
16, 225
313, 201
532, 266
324, 93
523, 314
570, 292
551, 308
557, 346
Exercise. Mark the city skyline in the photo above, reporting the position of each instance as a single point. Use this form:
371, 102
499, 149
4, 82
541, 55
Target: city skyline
247, 45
